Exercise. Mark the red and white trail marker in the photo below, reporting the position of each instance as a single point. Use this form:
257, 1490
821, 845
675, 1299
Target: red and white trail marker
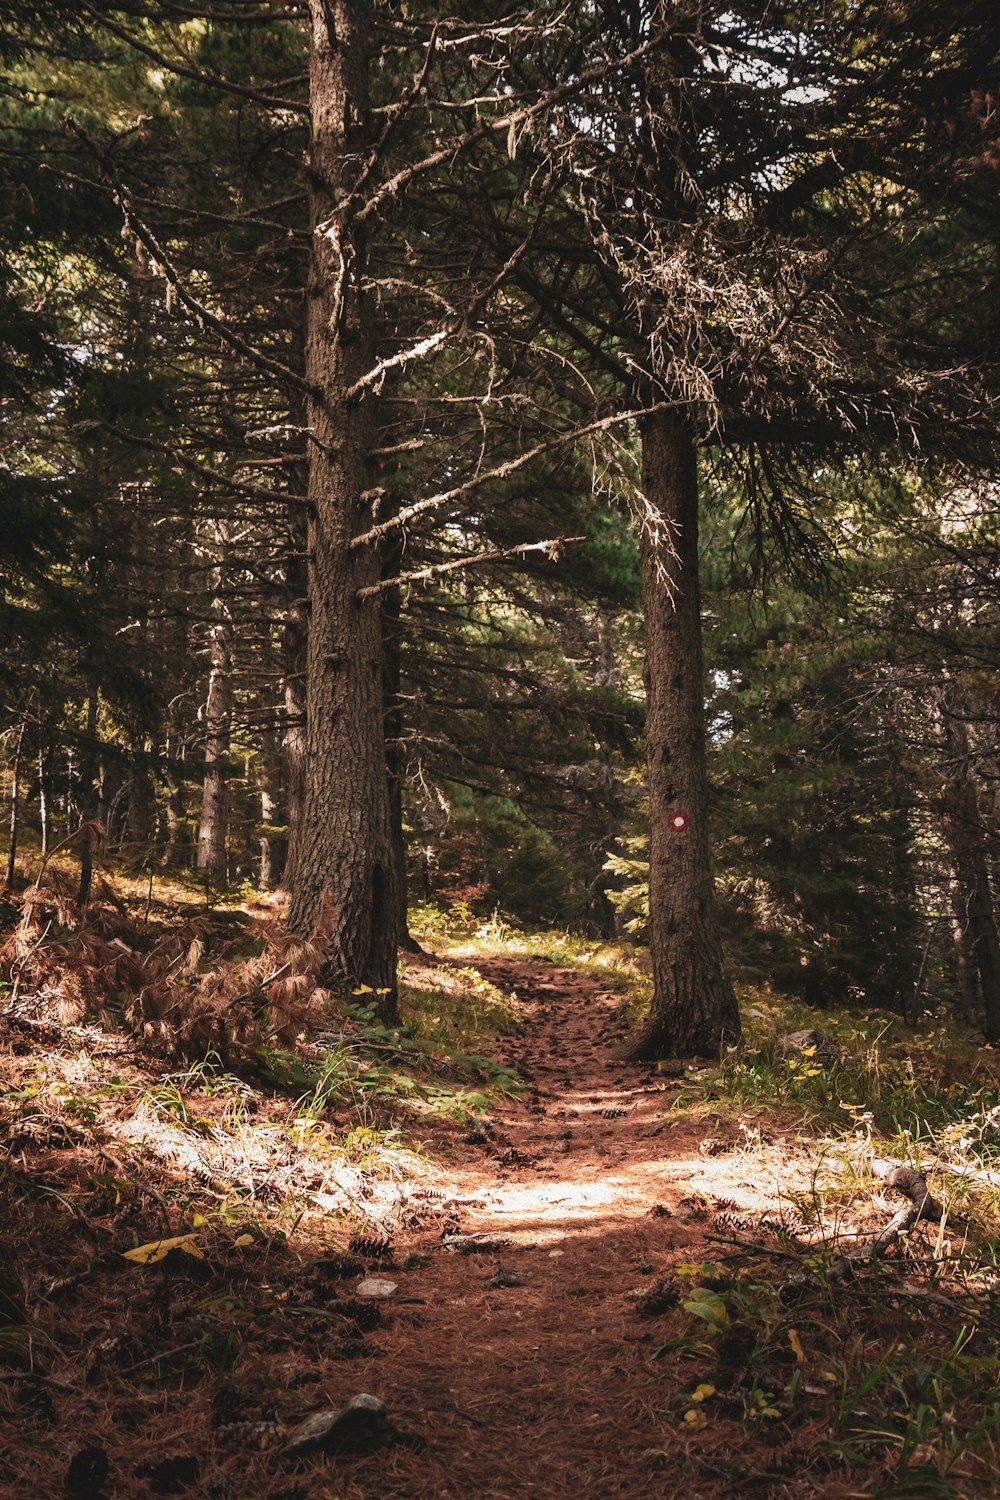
679, 822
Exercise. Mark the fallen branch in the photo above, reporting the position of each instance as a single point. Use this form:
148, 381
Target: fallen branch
922, 1205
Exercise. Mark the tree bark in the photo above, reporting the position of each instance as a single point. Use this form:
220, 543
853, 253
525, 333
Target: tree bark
272, 842
15, 807
295, 635
694, 1007
214, 824
395, 755
91, 798
178, 850
44, 769
141, 817
343, 878
965, 836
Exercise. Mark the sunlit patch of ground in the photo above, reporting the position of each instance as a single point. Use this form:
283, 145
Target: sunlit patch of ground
608, 1278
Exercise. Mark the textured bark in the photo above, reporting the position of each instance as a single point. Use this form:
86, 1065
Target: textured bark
141, 801
343, 877
214, 824
965, 964
272, 842
395, 754
965, 835
295, 635
44, 770
91, 798
178, 832
694, 1008
15, 807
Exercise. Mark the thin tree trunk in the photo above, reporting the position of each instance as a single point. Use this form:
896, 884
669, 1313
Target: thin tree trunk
343, 878
178, 834
694, 1008
964, 833
15, 807
214, 823
272, 842
141, 816
295, 635
91, 800
968, 995
395, 755
44, 766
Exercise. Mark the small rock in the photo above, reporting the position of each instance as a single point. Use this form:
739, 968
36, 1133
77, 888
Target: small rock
87, 1471
359, 1427
377, 1288
802, 1041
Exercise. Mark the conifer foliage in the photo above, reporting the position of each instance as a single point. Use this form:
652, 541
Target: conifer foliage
446, 446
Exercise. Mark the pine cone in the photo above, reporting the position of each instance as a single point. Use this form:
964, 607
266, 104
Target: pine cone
370, 1245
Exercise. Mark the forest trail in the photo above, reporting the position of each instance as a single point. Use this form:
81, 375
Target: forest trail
526, 1366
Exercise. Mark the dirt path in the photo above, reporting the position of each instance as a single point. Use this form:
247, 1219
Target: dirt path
525, 1366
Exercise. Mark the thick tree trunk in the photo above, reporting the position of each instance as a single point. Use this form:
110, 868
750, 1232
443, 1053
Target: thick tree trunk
694, 1007
343, 878
964, 833
214, 824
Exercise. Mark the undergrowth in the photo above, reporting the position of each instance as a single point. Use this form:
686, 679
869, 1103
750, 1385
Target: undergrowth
117, 1146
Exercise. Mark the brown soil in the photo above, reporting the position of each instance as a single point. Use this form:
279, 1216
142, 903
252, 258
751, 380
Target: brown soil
519, 1368
548, 1388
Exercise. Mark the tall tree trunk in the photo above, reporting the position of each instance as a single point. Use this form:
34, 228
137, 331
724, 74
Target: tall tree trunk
295, 636
964, 833
967, 988
141, 816
272, 841
395, 755
15, 807
694, 1008
214, 824
178, 832
343, 877
44, 770
91, 798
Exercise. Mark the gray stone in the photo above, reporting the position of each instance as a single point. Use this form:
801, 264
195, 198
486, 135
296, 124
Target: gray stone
801, 1041
377, 1288
359, 1427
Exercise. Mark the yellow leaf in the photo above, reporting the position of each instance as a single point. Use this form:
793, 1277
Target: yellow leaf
243, 1241
796, 1344
148, 1255
363, 989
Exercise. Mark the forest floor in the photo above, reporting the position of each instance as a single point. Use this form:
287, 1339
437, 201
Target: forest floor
607, 1279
